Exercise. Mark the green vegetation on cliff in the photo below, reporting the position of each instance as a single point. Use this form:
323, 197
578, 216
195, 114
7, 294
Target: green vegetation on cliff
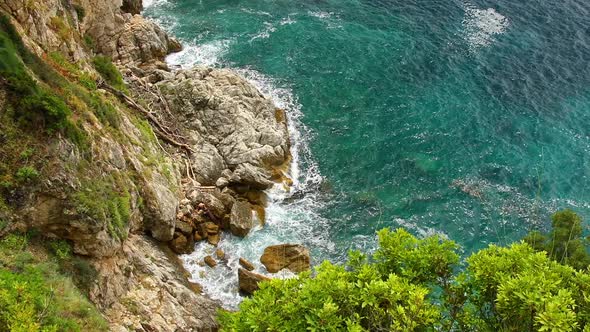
38, 288
412, 284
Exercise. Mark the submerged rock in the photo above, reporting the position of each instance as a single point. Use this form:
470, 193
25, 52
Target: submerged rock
248, 281
294, 257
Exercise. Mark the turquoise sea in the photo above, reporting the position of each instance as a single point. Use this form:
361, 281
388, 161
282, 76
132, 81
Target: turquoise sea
465, 118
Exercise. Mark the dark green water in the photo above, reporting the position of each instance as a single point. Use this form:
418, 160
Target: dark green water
470, 119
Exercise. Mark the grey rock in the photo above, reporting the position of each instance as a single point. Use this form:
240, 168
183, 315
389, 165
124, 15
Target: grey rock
207, 163
222, 182
252, 176
240, 219
184, 228
214, 205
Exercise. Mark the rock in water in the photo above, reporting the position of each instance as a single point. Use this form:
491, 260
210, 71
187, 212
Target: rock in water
220, 254
246, 264
240, 219
294, 257
210, 261
248, 281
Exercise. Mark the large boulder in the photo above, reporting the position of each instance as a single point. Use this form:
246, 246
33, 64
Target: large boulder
294, 257
213, 204
209, 163
142, 41
233, 126
248, 281
240, 219
251, 176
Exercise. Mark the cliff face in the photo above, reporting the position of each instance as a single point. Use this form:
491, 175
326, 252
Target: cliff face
113, 187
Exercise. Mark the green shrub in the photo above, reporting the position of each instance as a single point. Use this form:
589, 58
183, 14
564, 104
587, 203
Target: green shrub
34, 296
106, 200
87, 81
105, 67
565, 242
27, 153
35, 103
89, 42
105, 111
26, 174
80, 12
61, 249
411, 284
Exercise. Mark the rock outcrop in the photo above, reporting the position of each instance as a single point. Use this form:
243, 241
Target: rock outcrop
125, 186
142, 289
294, 257
248, 281
236, 131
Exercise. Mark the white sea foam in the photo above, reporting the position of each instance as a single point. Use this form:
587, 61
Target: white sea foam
207, 54
287, 21
265, 33
320, 14
482, 26
256, 12
150, 3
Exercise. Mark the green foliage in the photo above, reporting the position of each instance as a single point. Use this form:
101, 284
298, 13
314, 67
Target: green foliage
106, 200
80, 12
26, 174
409, 284
336, 299
565, 242
89, 42
61, 249
35, 297
428, 260
518, 289
36, 104
105, 67
106, 112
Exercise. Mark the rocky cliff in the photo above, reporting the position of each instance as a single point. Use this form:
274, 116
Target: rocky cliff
110, 172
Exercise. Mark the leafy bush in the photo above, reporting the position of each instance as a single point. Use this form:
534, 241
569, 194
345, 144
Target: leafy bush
106, 200
37, 104
35, 297
26, 174
565, 242
105, 67
61, 249
89, 42
80, 12
409, 284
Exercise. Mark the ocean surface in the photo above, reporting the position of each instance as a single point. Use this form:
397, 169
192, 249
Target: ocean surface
469, 119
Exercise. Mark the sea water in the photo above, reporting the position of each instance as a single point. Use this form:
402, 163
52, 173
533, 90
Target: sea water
469, 119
